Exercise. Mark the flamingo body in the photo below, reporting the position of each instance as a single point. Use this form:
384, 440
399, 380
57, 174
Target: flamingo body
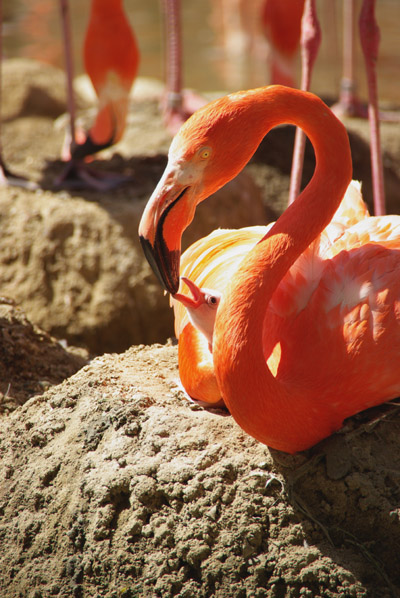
307, 331
324, 280
281, 22
111, 59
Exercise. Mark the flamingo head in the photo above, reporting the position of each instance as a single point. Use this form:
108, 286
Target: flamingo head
210, 149
201, 306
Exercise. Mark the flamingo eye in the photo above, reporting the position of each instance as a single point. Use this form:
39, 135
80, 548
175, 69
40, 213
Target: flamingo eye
205, 153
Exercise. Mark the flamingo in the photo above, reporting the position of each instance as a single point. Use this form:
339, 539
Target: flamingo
281, 25
196, 369
268, 28
288, 25
213, 261
293, 357
111, 58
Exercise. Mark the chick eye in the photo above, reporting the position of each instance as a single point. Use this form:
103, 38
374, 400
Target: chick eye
211, 300
205, 153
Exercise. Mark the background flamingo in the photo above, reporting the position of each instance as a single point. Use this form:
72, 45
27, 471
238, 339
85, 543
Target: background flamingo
266, 29
342, 310
287, 27
348, 102
111, 58
281, 24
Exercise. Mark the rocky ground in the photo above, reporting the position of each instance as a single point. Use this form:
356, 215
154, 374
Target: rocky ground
112, 484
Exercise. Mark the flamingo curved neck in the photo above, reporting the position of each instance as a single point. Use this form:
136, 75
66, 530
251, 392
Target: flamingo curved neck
263, 406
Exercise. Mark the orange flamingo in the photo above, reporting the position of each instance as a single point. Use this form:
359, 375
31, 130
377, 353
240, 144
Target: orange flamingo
264, 28
111, 58
289, 24
281, 24
342, 310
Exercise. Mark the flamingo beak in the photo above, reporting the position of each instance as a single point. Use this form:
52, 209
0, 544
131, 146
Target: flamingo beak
160, 229
189, 302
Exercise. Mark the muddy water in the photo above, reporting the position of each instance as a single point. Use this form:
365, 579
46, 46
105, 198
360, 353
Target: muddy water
216, 57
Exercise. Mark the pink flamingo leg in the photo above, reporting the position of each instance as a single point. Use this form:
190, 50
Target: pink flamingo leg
348, 104
369, 36
178, 104
172, 11
69, 67
310, 42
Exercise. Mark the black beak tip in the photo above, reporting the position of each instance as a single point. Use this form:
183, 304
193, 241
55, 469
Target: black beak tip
169, 280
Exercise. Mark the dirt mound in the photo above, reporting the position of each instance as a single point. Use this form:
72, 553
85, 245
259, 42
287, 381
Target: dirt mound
30, 359
120, 487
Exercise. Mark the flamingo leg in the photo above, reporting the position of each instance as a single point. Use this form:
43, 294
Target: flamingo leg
178, 104
310, 42
172, 13
370, 36
8, 178
69, 68
349, 104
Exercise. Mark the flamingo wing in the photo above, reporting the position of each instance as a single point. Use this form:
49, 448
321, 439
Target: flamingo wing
350, 318
211, 261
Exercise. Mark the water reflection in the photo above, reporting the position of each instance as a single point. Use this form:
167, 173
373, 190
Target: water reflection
215, 58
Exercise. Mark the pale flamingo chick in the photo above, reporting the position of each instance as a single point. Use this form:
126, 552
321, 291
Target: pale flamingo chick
194, 325
201, 307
